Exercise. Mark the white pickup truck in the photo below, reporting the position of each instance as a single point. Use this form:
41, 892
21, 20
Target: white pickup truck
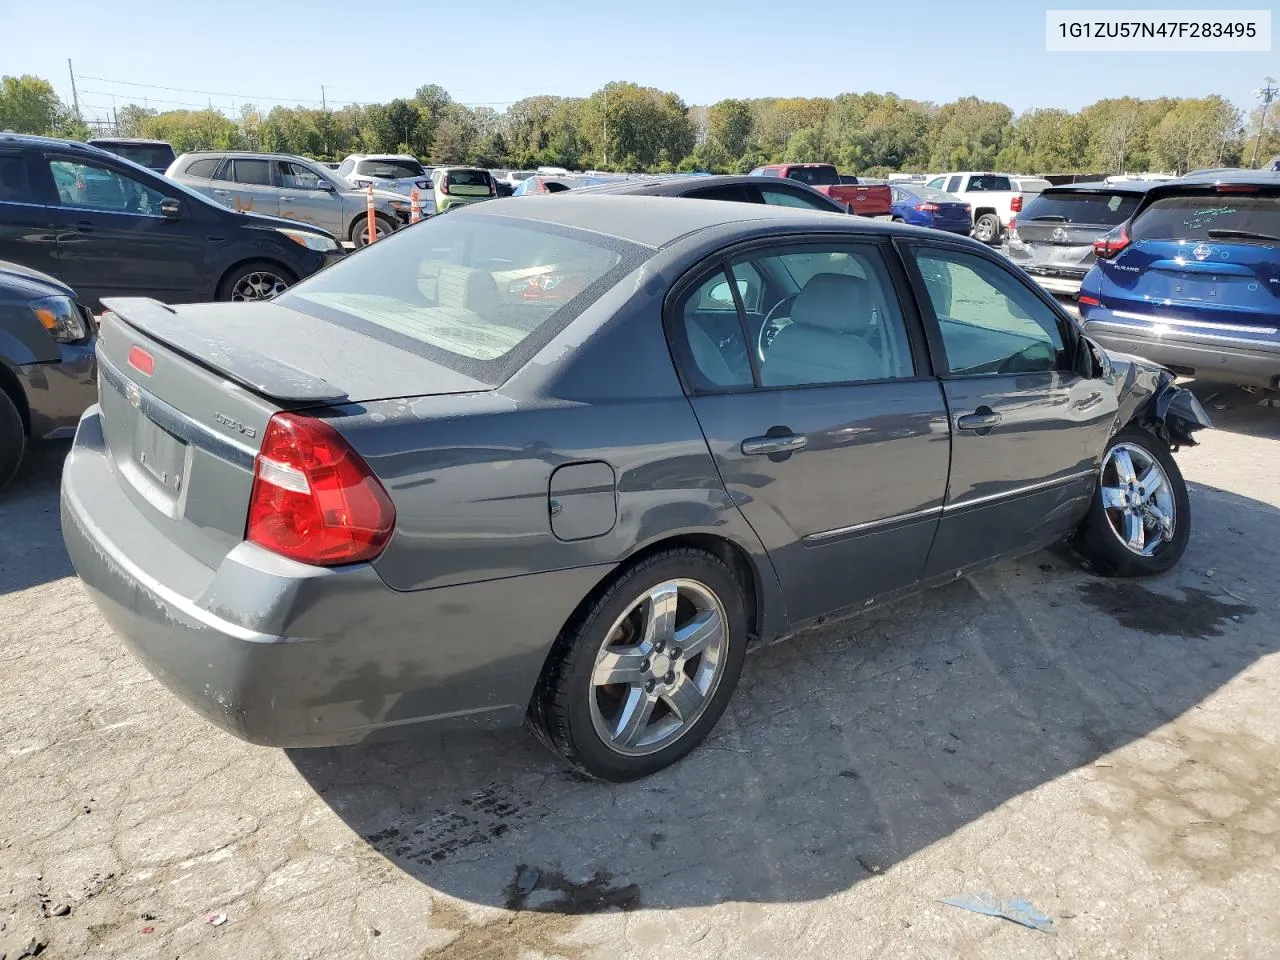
996, 198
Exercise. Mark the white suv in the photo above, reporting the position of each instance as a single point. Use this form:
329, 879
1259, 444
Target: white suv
996, 198
397, 172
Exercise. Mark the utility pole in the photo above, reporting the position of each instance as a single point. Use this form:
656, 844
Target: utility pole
324, 109
1266, 95
606, 126
75, 97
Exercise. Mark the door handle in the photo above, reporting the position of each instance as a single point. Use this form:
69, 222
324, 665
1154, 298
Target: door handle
223, 193
984, 419
84, 226
783, 443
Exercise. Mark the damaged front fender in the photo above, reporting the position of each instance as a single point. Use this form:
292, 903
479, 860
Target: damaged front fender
1149, 396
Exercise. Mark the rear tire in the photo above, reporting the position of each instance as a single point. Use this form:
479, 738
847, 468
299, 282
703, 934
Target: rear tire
360, 230
13, 438
579, 714
986, 229
1099, 538
255, 281
898, 220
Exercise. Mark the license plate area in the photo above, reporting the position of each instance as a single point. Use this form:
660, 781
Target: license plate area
160, 454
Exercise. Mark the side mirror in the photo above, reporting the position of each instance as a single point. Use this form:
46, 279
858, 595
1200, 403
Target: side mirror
170, 209
326, 186
1092, 361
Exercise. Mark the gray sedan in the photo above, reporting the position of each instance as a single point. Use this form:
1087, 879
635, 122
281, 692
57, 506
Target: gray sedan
563, 461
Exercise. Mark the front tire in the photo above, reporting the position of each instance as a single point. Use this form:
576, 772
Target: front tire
360, 229
13, 438
640, 676
255, 281
1139, 521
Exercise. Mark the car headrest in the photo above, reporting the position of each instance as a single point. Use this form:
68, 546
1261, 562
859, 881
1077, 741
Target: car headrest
838, 302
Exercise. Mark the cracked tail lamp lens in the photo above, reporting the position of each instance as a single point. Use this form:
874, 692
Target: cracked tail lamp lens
61, 317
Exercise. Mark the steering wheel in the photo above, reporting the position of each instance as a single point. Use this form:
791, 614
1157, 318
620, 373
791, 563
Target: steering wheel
768, 329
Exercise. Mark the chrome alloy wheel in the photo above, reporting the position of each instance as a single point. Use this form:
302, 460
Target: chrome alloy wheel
659, 667
259, 285
1137, 499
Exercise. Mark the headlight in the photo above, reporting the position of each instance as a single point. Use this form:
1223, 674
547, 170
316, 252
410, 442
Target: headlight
312, 241
61, 317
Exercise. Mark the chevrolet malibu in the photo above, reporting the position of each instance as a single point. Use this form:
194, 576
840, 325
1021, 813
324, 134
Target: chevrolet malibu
564, 461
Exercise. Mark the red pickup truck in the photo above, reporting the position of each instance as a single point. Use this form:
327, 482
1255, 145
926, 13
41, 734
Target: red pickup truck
864, 199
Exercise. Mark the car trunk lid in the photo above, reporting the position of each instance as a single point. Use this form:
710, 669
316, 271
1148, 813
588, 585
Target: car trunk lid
186, 394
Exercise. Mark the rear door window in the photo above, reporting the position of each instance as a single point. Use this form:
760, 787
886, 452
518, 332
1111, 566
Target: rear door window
252, 171
780, 197
1094, 209
1237, 218
204, 168
389, 169
15, 185
952, 186
734, 192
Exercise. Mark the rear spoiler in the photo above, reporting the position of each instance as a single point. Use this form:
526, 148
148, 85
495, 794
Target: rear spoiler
201, 344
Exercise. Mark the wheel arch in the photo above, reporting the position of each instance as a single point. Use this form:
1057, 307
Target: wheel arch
13, 389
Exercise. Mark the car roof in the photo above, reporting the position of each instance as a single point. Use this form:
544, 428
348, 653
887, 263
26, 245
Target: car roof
35, 140
1229, 175
659, 221
246, 154
670, 186
1136, 187
146, 140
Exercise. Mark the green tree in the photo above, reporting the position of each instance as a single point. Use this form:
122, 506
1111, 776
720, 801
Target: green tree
1195, 133
193, 130
456, 137
970, 133
624, 121
807, 145
130, 117
28, 104
730, 126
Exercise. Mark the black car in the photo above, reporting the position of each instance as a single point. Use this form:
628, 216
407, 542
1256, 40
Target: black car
47, 369
108, 227
1052, 238
780, 192
155, 155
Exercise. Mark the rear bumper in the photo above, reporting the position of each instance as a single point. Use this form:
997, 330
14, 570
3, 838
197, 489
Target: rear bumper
58, 392
284, 654
1219, 352
1056, 283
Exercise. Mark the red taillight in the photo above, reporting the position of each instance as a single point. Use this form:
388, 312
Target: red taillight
1089, 301
1013, 224
443, 184
142, 361
1111, 243
1016, 203
928, 207
1236, 188
314, 500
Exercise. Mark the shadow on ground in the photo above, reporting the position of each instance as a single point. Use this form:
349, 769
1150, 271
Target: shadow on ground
843, 751
1254, 414
28, 555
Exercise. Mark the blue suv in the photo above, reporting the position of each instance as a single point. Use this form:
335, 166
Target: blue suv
1192, 279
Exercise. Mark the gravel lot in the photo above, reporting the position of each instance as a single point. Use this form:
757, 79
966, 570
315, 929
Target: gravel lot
1109, 751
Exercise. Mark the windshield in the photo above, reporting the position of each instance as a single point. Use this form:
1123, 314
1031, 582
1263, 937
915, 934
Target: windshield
1101, 209
1197, 216
477, 294
932, 195
389, 169
820, 175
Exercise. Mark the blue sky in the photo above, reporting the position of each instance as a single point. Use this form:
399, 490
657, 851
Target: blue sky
704, 50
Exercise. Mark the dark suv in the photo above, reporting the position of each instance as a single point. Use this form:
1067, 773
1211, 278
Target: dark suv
108, 227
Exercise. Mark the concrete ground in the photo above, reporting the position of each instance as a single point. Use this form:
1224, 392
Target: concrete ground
1109, 751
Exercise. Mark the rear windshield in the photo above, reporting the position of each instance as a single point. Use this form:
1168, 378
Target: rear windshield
390, 169
156, 156
468, 178
1102, 209
819, 176
1201, 216
477, 294
928, 193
